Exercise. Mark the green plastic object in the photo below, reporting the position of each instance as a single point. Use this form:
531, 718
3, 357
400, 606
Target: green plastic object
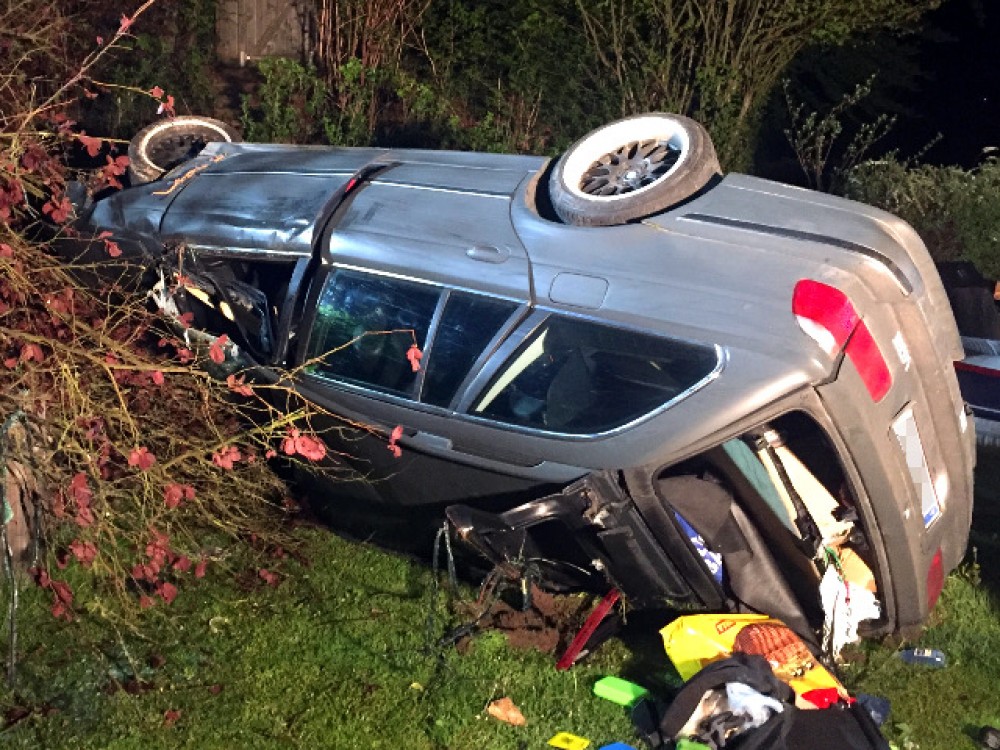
685, 744
619, 691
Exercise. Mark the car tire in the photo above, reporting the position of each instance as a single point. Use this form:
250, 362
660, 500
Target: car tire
160, 147
632, 168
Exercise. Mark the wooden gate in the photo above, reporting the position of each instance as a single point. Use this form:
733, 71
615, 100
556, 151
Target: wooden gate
252, 29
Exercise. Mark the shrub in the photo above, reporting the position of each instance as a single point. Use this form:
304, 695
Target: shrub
118, 451
955, 210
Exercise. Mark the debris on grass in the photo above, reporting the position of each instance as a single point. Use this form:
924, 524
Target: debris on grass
503, 709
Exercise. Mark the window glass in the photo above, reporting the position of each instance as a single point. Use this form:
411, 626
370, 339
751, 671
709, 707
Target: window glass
364, 327
469, 323
579, 377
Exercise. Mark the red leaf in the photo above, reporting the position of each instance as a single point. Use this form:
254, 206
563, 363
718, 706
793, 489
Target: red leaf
305, 445
310, 447
172, 495
42, 578
85, 552
182, 564
93, 145
6, 251
146, 601
100, 41
166, 107
58, 209
80, 490
156, 92
216, 351
32, 352
414, 355
157, 377
288, 444
62, 591
269, 578
125, 24
170, 717
167, 591
397, 433
142, 458
226, 457
236, 385
199, 568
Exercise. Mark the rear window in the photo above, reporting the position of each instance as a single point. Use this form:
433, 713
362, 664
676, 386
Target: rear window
578, 377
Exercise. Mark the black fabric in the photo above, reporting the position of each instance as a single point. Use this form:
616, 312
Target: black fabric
753, 574
840, 727
750, 669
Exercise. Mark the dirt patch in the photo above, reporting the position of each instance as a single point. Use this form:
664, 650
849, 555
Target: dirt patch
548, 624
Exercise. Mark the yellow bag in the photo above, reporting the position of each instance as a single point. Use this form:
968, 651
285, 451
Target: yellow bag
694, 641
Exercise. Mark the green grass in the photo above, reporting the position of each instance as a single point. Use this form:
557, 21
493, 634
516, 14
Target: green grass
340, 655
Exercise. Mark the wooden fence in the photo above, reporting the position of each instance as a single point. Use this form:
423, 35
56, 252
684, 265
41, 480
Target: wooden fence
251, 29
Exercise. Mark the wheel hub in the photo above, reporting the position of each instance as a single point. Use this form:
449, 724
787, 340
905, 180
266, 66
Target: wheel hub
629, 168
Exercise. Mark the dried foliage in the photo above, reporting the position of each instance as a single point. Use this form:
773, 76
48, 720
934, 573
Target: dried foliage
120, 452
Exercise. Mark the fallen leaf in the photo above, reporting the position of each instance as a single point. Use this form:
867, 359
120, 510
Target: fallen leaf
414, 355
505, 710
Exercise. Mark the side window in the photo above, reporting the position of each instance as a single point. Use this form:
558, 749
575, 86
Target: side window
469, 323
573, 376
364, 326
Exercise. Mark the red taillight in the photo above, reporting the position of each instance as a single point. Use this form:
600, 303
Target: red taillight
864, 353
824, 313
827, 316
935, 580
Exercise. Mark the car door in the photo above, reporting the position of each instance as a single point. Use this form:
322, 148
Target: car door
407, 270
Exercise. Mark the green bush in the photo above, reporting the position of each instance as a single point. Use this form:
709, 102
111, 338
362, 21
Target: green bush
956, 211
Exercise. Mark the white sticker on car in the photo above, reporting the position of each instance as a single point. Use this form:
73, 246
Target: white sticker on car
907, 433
902, 350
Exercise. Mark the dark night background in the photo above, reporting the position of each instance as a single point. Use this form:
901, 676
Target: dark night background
959, 96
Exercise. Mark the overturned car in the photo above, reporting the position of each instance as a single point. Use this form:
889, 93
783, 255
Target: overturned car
616, 368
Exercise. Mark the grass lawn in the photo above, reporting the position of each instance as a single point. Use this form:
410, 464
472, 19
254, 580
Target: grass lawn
342, 653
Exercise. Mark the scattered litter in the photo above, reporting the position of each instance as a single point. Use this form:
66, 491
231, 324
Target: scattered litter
740, 702
757, 708
846, 605
856, 570
619, 691
928, 657
712, 560
694, 641
878, 707
686, 744
504, 710
617, 746
575, 650
567, 741
989, 738
822, 697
